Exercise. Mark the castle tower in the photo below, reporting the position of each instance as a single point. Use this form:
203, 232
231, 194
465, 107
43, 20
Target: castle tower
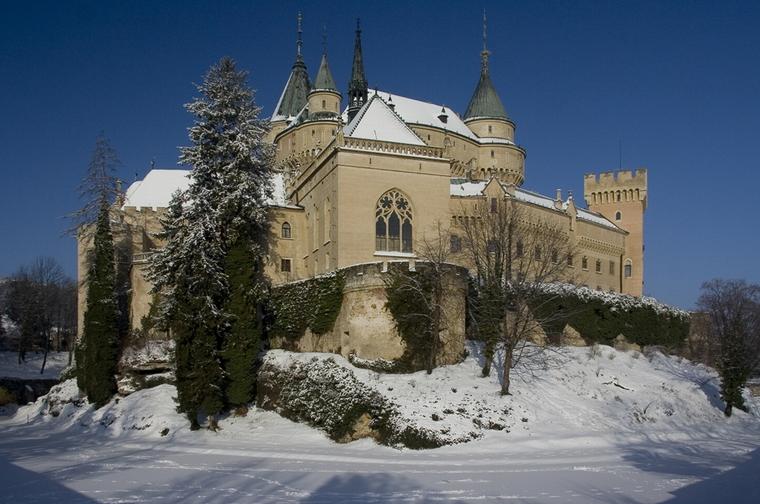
485, 114
294, 95
622, 198
324, 98
487, 118
357, 86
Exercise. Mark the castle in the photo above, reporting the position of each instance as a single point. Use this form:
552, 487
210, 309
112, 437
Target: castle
363, 183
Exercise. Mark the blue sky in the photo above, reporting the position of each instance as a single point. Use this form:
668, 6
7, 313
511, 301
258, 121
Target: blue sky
677, 83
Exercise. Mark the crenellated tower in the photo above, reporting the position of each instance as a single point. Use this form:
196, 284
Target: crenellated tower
622, 198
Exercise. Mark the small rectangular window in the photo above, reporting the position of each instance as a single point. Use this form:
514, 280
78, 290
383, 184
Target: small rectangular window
612, 267
285, 265
456, 244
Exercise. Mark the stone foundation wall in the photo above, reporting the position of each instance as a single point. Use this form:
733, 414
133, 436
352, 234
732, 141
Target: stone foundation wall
367, 330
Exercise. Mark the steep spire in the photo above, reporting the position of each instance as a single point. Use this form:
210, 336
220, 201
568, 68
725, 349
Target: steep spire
485, 102
357, 86
299, 42
293, 97
324, 78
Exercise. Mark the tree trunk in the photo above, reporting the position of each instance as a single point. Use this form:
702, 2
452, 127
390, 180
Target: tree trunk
507, 368
435, 332
729, 409
47, 348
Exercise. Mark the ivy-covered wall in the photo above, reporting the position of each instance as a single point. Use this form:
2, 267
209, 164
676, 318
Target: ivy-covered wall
308, 304
601, 316
345, 313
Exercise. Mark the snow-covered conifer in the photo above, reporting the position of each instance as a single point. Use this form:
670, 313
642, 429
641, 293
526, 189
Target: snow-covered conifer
223, 207
98, 350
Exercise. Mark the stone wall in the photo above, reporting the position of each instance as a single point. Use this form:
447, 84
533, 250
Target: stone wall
365, 329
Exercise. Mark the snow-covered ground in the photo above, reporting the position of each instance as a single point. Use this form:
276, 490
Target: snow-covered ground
10, 368
602, 426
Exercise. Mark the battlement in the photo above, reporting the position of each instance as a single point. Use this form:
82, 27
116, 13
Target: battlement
615, 180
615, 187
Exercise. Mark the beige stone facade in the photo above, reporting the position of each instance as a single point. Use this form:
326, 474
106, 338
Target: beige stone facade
367, 185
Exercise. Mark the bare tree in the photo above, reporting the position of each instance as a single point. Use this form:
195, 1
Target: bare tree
99, 185
514, 256
733, 334
417, 295
37, 302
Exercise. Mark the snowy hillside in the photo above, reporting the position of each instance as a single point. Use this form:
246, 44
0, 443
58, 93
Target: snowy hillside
30, 369
598, 425
593, 389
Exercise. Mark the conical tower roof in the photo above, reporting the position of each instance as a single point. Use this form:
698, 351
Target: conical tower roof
324, 79
485, 101
294, 96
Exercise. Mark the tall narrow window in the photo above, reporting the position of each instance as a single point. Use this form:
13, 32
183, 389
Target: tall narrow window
598, 266
612, 267
456, 244
584, 263
328, 220
519, 249
286, 232
494, 204
628, 269
393, 223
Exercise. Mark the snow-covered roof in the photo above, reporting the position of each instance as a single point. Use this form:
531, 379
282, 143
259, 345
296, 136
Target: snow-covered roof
156, 189
376, 121
426, 114
158, 186
465, 189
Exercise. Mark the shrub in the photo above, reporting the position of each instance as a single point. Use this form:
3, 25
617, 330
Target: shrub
6, 397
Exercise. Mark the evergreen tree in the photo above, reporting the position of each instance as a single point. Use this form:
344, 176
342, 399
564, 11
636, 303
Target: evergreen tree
97, 351
242, 343
224, 205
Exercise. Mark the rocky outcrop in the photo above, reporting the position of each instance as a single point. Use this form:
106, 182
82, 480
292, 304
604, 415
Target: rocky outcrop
146, 365
27, 390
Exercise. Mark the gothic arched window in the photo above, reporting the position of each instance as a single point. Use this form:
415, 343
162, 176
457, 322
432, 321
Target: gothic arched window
393, 223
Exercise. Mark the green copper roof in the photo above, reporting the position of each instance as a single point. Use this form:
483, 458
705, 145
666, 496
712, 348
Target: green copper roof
293, 97
485, 102
324, 79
